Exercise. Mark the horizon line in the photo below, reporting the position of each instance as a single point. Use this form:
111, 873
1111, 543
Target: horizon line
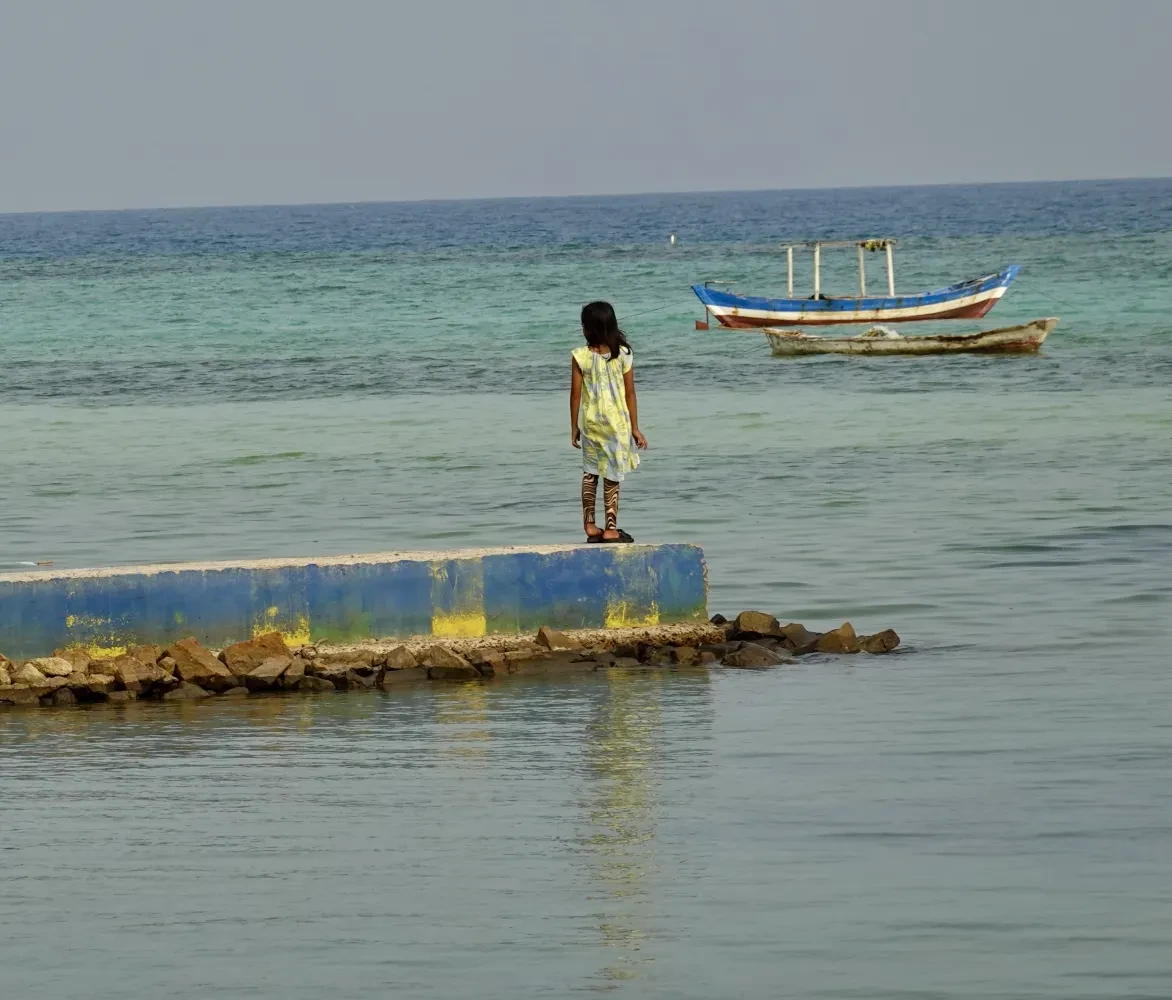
575, 197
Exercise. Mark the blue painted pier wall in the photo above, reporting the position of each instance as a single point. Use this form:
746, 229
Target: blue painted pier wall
340, 598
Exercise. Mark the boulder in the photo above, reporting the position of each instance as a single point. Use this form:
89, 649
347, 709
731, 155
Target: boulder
364, 679
626, 663
752, 656
718, 620
466, 672
291, 678
706, 657
265, 675
97, 685
407, 675
167, 664
399, 658
839, 640
799, 639
121, 697
62, 697
52, 666
880, 642
488, 661
657, 656
517, 658
750, 624
442, 657
236, 692
134, 675
312, 683
80, 658
551, 639
685, 656
27, 674
19, 694
244, 657
332, 672
146, 654
186, 692
195, 665
5, 678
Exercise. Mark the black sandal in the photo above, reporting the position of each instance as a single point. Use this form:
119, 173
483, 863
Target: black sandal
623, 537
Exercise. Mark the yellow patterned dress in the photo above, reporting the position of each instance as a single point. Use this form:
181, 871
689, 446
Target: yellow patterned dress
603, 417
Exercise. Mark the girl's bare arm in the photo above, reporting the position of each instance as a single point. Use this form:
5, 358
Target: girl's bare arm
575, 400
633, 407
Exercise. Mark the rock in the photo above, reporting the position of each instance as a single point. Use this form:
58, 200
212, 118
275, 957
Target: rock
266, 674
466, 672
626, 663
752, 656
308, 652
146, 654
98, 685
355, 679
799, 639
244, 657
603, 659
407, 675
685, 656
52, 666
63, 696
839, 640
79, 658
134, 675
195, 665
880, 642
332, 672
706, 657
488, 661
399, 658
5, 678
718, 620
750, 624
517, 658
551, 639
19, 694
27, 674
442, 657
121, 697
50, 684
312, 683
291, 678
167, 664
236, 692
657, 656
186, 692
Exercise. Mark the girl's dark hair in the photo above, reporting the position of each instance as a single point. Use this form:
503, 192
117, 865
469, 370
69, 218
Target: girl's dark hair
601, 327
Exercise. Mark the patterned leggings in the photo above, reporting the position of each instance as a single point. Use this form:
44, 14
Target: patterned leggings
610, 499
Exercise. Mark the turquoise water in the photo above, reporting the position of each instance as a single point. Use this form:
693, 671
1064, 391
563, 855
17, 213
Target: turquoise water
984, 815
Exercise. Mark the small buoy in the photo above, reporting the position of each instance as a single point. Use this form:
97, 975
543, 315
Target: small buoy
673, 239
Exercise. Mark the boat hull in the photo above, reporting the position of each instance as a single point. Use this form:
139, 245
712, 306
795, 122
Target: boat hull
970, 299
1008, 340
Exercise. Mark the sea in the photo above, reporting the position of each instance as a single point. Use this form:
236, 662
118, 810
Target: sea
986, 813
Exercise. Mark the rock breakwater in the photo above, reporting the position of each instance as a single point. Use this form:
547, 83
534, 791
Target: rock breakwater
265, 664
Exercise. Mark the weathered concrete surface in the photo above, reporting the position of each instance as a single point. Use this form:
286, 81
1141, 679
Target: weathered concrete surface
446, 595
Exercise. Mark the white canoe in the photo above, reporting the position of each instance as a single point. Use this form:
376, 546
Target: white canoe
1009, 340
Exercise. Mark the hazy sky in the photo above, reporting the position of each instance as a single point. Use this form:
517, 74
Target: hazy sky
125, 103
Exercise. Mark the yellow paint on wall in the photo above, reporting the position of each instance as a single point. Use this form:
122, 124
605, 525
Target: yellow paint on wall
620, 614
109, 645
294, 628
458, 625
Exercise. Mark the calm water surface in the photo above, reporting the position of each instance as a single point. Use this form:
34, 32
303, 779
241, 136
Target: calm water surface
986, 814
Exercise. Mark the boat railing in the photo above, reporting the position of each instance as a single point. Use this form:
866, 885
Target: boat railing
863, 246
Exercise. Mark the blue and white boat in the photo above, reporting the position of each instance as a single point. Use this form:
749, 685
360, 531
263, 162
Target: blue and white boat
969, 299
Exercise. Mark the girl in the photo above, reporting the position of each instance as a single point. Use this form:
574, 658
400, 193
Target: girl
604, 416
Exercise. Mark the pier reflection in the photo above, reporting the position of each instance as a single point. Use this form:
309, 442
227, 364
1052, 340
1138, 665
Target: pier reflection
622, 811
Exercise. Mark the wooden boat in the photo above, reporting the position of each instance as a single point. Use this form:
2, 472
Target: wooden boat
1009, 340
969, 299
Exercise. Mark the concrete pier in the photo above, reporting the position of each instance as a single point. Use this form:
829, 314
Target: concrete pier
348, 598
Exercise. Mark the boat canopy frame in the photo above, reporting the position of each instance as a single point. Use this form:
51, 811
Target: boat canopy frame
864, 247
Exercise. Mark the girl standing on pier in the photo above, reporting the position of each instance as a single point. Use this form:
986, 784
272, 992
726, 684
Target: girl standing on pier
604, 417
